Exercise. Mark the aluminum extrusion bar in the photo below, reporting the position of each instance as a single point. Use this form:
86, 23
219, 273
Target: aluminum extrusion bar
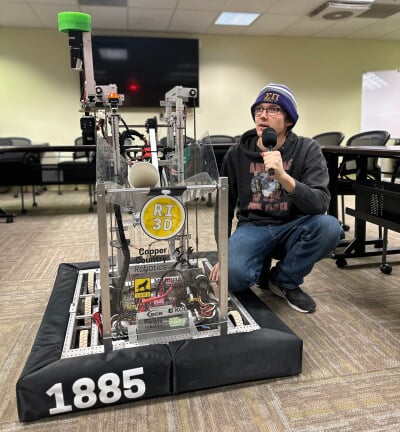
223, 251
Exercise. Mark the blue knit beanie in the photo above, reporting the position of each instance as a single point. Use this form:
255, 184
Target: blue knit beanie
280, 95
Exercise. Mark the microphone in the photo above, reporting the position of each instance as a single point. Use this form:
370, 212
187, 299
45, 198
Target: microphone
269, 138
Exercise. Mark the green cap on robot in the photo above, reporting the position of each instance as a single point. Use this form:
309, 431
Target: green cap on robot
74, 21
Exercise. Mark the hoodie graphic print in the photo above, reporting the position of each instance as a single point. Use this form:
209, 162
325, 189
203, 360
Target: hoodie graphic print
267, 193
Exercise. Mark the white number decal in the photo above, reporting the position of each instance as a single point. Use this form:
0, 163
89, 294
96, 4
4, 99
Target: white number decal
108, 388
130, 382
85, 397
157, 224
56, 391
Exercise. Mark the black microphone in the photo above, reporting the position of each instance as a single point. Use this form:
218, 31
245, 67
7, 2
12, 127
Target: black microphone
269, 138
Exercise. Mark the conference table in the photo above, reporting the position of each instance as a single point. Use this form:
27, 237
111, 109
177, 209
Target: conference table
375, 202
45, 147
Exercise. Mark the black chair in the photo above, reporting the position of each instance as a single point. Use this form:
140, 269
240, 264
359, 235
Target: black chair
329, 138
19, 141
395, 173
81, 170
20, 169
88, 156
348, 166
5, 142
220, 145
395, 169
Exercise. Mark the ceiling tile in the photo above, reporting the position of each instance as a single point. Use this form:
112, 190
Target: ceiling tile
192, 21
58, 3
290, 7
146, 19
107, 17
48, 14
153, 4
205, 5
260, 6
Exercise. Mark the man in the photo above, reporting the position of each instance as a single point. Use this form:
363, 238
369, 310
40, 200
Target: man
281, 195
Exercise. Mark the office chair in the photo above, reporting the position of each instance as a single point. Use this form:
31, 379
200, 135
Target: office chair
329, 138
220, 145
216, 139
81, 154
348, 166
20, 141
395, 167
385, 267
395, 172
5, 142
27, 168
79, 172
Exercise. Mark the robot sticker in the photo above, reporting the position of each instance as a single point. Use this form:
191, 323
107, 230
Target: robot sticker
142, 287
162, 217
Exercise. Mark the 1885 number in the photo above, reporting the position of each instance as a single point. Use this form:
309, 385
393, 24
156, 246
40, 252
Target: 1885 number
107, 390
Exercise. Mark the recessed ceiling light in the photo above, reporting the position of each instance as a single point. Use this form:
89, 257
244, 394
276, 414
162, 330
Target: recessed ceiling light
236, 18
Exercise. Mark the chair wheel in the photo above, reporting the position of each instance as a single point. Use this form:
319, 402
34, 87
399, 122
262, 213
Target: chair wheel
386, 268
345, 227
341, 262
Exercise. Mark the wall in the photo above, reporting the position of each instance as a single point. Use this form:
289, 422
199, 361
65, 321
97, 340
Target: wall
40, 93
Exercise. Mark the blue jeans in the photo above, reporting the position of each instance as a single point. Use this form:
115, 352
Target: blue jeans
298, 245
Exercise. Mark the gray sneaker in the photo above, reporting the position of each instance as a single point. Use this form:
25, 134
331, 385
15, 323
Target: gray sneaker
296, 298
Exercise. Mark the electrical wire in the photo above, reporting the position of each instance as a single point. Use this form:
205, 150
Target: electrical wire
125, 252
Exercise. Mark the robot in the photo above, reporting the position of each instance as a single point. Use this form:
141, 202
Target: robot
151, 286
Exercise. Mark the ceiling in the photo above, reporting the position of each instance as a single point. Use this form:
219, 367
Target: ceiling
288, 18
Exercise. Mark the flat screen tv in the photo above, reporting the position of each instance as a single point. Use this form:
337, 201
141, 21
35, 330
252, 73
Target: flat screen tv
145, 68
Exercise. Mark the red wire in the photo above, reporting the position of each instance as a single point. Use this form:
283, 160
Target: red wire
153, 299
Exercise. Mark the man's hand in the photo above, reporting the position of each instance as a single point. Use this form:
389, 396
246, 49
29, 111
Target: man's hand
273, 160
214, 274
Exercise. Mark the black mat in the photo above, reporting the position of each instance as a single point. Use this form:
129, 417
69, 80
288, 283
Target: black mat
49, 385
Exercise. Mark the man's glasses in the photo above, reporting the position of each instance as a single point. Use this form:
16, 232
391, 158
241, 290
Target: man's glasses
271, 110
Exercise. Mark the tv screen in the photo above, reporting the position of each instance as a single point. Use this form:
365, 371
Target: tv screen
145, 68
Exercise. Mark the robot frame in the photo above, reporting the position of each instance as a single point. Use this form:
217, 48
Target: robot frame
164, 292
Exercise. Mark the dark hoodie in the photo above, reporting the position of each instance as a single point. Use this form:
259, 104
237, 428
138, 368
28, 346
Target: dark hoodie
259, 198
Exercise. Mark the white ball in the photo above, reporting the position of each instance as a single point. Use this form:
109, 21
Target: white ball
143, 174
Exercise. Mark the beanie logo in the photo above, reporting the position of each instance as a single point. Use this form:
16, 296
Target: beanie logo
271, 97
